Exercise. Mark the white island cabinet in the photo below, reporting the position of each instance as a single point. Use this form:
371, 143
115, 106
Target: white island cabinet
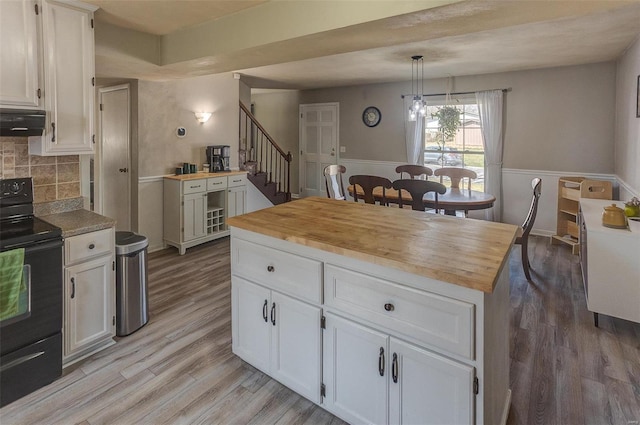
384, 333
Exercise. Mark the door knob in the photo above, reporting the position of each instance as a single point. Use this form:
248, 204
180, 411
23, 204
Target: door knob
123, 170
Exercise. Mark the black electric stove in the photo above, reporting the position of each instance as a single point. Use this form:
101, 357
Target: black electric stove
30, 337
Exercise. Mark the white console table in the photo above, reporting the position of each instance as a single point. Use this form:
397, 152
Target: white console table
610, 260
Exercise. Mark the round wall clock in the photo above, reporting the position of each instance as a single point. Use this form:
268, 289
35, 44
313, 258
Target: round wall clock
371, 116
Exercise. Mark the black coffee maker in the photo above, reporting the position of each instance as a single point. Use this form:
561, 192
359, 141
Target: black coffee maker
218, 157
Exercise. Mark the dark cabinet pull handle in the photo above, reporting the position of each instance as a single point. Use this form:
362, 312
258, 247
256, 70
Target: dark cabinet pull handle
264, 311
73, 287
91, 246
381, 362
53, 132
273, 314
394, 368
389, 307
270, 268
123, 170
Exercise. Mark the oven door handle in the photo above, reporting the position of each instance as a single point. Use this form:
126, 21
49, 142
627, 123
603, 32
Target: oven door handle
21, 360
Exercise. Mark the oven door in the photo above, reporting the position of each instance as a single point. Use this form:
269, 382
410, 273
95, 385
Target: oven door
43, 317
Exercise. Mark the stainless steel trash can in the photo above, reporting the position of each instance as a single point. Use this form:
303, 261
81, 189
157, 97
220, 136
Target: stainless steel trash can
132, 293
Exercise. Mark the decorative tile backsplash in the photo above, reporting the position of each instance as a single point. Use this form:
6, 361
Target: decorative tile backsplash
54, 177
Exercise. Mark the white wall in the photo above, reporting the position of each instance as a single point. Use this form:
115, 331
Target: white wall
627, 128
164, 106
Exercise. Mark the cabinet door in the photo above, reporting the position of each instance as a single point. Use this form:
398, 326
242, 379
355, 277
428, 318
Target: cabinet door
68, 76
430, 389
193, 216
19, 65
236, 200
89, 303
296, 345
251, 325
356, 390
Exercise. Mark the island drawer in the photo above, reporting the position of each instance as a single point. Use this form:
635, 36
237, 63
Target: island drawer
88, 245
288, 273
194, 186
431, 318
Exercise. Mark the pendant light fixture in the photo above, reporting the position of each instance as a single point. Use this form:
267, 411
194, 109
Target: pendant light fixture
418, 105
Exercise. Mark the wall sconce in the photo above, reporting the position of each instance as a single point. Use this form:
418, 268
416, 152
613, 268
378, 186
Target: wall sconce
203, 117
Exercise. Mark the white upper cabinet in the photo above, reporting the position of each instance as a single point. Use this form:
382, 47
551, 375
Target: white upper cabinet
20, 68
68, 59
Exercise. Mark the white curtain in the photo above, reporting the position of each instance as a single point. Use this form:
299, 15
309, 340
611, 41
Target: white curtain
490, 109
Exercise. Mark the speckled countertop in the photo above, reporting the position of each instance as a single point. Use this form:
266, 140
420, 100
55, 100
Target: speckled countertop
69, 215
78, 222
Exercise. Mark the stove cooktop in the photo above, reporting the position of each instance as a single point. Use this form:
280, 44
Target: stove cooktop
17, 232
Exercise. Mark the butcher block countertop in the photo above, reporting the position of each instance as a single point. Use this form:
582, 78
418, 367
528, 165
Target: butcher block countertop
461, 251
204, 175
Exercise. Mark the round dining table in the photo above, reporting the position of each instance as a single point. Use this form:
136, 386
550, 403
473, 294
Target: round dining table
453, 199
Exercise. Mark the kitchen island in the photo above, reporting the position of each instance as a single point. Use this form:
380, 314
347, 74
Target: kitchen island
379, 315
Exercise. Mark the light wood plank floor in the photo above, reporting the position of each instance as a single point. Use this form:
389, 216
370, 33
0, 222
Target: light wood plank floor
179, 369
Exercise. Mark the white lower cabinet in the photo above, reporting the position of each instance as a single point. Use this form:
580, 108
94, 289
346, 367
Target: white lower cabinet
89, 310
195, 211
278, 335
395, 348
89, 294
371, 377
428, 388
355, 371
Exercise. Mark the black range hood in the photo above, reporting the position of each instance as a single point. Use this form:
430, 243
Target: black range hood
21, 122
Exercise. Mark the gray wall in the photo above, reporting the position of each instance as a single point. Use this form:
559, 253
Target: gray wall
627, 143
277, 112
556, 119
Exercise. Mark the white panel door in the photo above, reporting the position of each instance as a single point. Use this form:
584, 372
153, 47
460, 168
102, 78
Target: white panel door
296, 345
426, 388
19, 65
251, 327
89, 303
319, 128
115, 186
194, 213
355, 371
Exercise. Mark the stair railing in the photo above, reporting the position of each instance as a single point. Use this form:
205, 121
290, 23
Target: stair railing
262, 153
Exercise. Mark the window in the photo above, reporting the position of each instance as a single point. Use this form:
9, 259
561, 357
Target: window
465, 150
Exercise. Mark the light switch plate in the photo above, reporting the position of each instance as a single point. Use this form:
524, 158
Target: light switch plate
343, 149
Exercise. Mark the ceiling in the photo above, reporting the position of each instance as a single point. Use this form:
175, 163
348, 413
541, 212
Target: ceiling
463, 38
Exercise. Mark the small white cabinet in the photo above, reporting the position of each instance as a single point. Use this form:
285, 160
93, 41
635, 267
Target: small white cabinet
195, 209
371, 376
68, 83
279, 335
89, 294
20, 66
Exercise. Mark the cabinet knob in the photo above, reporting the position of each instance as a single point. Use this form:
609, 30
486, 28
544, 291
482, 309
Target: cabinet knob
91, 246
270, 268
389, 307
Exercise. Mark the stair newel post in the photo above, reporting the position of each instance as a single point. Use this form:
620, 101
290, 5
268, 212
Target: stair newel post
288, 175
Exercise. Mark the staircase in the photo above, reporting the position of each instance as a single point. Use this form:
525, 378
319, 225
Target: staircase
268, 166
